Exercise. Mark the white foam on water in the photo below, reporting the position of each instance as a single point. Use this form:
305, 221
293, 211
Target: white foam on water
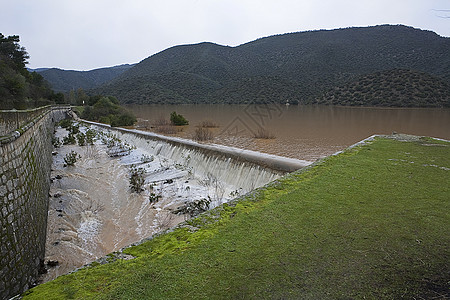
89, 227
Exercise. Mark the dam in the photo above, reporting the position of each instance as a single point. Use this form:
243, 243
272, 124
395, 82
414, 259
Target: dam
89, 210
93, 211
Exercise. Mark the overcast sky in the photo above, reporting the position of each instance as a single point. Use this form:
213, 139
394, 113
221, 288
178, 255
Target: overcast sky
88, 34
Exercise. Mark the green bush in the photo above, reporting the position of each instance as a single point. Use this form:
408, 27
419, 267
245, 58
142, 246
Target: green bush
107, 110
104, 119
69, 140
71, 158
81, 137
178, 120
123, 119
153, 198
90, 136
66, 123
56, 142
74, 129
137, 179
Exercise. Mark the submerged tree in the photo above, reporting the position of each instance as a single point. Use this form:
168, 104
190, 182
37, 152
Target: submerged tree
178, 120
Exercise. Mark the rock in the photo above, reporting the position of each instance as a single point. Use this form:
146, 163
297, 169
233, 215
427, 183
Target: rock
52, 263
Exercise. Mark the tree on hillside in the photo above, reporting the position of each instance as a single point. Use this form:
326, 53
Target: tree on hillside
11, 51
19, 88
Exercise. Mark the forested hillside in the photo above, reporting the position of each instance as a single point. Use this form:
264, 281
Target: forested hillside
391, 88
66, 80
295, 67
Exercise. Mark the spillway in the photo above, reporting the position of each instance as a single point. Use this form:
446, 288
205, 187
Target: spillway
93, 212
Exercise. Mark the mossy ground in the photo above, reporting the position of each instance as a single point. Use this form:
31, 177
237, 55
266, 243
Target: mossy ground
369, 223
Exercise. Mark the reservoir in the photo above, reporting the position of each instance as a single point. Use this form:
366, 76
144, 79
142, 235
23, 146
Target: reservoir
306, 132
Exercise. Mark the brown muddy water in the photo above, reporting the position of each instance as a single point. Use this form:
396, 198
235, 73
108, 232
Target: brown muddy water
93, 211
302, 132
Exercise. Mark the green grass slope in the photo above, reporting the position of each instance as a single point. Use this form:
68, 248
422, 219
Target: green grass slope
370, 223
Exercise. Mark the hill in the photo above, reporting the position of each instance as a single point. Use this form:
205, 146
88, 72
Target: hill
66, 80
298, 67
365, 224
391, 88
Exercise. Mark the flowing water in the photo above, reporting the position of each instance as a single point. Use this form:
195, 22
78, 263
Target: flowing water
92, 210
302, 132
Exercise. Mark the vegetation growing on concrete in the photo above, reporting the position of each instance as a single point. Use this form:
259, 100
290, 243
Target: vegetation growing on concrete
137, 179
368, 223
71, 158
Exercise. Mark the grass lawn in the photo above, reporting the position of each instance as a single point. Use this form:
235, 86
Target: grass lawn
370, 223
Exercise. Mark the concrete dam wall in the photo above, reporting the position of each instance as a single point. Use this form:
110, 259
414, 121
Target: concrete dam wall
173, 145
25, 161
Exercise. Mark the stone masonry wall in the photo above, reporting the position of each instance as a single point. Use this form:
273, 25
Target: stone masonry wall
25, 162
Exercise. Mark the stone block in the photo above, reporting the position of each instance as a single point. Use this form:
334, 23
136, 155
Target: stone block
9, 185
3, 190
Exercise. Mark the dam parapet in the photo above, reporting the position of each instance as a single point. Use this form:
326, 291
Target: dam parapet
25, 161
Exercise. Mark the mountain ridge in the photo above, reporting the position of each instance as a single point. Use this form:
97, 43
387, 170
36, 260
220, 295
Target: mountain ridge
65, 80
298, 67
